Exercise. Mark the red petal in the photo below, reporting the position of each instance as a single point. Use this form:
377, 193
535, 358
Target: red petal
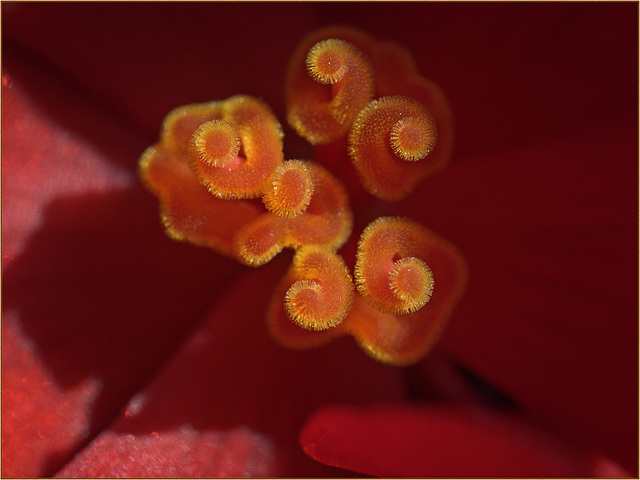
562, 67
231, 401
436, 442
144, 60
550, 312
95, 296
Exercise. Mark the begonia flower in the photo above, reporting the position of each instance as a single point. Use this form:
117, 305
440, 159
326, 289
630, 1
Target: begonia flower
126, 353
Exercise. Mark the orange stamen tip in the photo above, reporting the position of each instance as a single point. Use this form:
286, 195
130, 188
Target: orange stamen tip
328, 83
413, 138
235, 156
411, 280
386, 141
326, 60
181, 122
393, 280
323, 294
390, 273
216, 143
290, 190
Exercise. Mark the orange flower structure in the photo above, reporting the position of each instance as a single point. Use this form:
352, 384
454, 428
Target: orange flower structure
222, 180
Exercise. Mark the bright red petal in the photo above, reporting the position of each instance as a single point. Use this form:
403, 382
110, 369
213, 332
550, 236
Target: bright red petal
437, 442
95, 296
231, 402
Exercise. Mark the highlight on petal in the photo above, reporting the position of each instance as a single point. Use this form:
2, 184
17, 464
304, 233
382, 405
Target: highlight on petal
232, 171
389, 144
322, 295
328, 83
400, 314
290, 189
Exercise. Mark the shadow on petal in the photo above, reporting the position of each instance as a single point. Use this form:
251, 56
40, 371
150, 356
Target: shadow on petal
102, 293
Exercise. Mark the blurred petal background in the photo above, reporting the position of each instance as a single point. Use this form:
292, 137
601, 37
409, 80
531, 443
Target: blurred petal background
127, 354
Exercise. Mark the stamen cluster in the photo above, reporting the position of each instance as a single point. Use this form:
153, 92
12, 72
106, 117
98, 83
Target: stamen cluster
223, 182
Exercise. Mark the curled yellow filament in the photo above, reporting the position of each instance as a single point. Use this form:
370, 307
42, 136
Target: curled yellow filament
235, 156
327, 86
391, 270
290, 189
322, 293
219, 172
389, 144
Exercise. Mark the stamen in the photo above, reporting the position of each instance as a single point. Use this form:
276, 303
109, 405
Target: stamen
327, 86
322, 295
261, 240
325, 61
391, 273
188, 211
389, 143
215, 159
326, 222
328, 219
216, 143
393, 279
181, 123
412, 283
290, 190
413, 138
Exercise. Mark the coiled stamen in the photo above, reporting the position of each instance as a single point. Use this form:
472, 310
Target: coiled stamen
249, 127
216, 143
323, 294
327, 89
290, 189
411, 280
391, 273
389, 143
413, 138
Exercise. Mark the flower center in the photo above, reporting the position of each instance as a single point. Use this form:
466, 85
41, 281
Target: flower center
215, 160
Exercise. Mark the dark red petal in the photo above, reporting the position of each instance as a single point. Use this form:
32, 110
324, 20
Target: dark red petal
517, 72
550, 312
231, 401
512, 72
429, 441
145, 59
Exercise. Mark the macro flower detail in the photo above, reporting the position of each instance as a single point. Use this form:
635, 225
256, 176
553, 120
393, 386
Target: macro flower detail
388, 144
215, 161
129, 354
316, 116
233, 149
398, 134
